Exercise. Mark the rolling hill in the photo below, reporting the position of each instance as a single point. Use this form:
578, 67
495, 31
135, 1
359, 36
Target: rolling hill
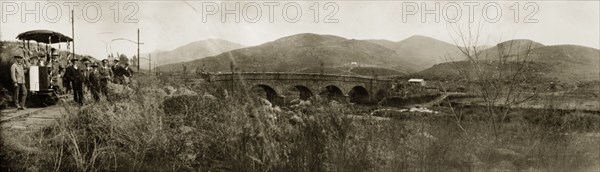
300, 52
313, 53
566, 63
569, 62
512, 49
195, 50
423, 51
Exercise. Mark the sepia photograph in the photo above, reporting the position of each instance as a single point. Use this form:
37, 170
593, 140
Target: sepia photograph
300, 85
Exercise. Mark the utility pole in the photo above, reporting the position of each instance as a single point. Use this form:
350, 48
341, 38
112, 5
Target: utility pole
73, 30
149, 63
138, 49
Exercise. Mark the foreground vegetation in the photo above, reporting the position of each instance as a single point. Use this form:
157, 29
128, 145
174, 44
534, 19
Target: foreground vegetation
150, 131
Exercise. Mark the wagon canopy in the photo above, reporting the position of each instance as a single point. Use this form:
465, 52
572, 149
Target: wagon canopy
44, 36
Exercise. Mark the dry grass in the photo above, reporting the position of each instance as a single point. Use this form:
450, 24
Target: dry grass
147, 131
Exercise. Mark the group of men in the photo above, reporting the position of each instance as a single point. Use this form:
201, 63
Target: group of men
79, 73
90, 74
20, 68
95, 77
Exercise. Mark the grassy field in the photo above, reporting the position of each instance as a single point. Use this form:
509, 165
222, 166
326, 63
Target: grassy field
149, 131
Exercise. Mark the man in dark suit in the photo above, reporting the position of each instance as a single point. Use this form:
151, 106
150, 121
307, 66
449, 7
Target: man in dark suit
116, 71
93, 81
75, 74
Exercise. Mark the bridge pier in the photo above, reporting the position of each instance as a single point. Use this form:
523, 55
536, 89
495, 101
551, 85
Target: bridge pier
346, 99
281, 88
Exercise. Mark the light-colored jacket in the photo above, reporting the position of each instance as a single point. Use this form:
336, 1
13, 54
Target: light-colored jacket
17, 73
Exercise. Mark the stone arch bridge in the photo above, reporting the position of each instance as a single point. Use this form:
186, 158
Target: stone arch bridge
279, 86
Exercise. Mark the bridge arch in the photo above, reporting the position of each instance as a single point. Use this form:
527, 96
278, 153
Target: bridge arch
359, 94
303, 92
298, 91
333, 92
267, 91
283, 87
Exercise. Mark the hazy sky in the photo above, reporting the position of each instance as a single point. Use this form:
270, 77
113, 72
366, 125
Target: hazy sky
166, 25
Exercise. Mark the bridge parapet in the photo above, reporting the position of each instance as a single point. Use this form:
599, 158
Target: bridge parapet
301, 85
290, 76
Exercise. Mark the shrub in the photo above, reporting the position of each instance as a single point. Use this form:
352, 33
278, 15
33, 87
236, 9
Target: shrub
149, 131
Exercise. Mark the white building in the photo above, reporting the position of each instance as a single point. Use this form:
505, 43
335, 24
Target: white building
417, 81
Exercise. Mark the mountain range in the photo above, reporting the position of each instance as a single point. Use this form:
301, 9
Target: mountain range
556, 62
423, 51
429, 57
302, 52
193, 51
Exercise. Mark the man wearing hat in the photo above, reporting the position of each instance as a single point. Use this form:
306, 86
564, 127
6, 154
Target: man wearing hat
74, 74
56, 70
17, 74
34, 61
92, 79
115, 71
106, 75
41, 59
86, 72
56, 66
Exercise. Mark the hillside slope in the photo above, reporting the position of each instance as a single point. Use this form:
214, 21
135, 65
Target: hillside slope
299, 52
568, 63
195, 50
423, 51
512, 49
